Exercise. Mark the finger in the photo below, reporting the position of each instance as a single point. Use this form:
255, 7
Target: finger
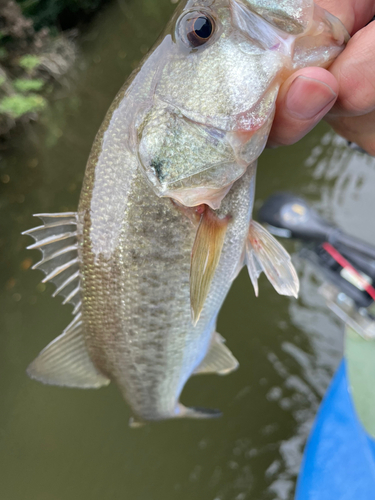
353, 14
358, 129
343, 10
302, 102
354, 70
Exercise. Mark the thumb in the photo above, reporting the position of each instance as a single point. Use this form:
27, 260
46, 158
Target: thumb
303, 100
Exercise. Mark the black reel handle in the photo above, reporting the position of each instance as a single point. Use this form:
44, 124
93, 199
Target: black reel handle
296, 219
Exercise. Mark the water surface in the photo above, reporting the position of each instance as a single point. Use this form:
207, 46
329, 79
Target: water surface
65, 444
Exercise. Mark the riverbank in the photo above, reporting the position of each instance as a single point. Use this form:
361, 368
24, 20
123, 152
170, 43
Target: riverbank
36, 49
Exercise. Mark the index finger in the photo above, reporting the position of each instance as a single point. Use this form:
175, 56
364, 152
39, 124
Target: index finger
354, 70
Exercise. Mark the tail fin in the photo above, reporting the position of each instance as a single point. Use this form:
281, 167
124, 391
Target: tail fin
180, 412
195, 412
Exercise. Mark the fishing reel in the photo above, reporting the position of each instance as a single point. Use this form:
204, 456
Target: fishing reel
347, 264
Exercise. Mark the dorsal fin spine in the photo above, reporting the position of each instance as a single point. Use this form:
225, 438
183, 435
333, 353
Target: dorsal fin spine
63, 251
71, 295
51, 239
57, 240
66, 283
59, 270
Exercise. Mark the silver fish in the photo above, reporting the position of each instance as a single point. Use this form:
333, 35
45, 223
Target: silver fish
164, 220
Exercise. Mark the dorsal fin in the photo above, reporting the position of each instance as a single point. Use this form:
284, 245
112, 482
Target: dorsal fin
66, 362
57, 239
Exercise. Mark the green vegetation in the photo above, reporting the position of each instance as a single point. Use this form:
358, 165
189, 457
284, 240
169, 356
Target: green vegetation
18, 105
21, 98
27, 85
29, 34
29, 62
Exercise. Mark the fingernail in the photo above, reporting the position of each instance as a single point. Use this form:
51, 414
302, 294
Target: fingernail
307, 97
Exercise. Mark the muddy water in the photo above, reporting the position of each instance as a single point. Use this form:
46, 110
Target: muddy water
61, 444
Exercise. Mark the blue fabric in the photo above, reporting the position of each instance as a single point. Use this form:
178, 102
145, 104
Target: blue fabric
339, 459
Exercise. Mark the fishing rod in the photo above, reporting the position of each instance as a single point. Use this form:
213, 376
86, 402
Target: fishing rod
346, 263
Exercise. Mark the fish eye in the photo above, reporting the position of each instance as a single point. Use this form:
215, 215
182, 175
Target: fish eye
196, 28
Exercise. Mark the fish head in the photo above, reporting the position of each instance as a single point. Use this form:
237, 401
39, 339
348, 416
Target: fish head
214, 93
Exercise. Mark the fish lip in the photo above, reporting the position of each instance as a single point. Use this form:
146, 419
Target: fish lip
235, 117
185, 114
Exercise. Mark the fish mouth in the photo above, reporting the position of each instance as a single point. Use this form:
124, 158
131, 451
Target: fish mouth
248, 120
193, 162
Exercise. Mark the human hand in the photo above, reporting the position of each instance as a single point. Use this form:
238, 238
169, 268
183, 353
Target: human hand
346, 92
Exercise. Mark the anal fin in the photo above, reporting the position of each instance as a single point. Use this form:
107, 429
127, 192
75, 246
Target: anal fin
66, 362
264, 253
219, 359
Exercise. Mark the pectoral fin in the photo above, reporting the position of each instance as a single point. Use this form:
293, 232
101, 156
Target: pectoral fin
264, 253
66, 362
219, 359
205, 259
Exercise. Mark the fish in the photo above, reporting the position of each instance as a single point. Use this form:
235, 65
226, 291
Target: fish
164, 222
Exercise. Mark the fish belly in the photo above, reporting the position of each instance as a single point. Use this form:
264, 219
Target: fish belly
135, 257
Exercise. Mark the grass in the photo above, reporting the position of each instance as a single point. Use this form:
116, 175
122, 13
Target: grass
25, 85
18, 105
29, 62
